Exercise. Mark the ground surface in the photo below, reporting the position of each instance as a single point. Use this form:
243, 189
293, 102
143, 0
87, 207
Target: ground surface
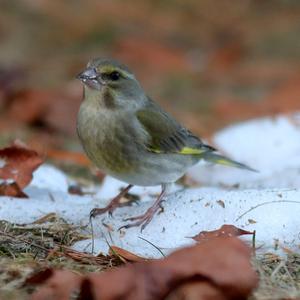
43, 231
210, 63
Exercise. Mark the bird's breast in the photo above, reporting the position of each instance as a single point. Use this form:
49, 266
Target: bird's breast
109, 139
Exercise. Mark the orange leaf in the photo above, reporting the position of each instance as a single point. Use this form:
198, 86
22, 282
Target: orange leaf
224, 231
12, 190
17, 164
127, 255
61, 283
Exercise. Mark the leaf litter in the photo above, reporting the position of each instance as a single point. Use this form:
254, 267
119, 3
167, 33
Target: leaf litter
221, 266
17, 165
46, 244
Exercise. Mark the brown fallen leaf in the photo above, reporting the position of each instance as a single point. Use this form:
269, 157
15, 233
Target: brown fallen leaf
224, 231
28, 106
50, 217
17, 163
54, 109
11, 189
125, 254
61, 283
217, 269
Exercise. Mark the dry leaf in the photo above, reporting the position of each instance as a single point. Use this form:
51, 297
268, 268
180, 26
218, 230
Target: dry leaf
61, 284
217, 269
55, 109
125, 254
50, 217
11, 189
17, 164
29, 106
224, 231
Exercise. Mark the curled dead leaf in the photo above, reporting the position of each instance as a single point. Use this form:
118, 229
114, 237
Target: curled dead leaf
60, 283
224, 231
217, 269
11, 189
125, 254
17, 163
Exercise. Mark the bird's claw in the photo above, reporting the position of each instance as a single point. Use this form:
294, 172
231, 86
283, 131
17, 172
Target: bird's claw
142, 220
99, 211
144, 223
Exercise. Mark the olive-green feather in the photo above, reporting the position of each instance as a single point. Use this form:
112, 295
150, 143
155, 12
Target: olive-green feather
225, 161
167, 135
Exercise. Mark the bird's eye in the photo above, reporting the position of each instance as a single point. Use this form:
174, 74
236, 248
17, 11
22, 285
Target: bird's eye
114, 76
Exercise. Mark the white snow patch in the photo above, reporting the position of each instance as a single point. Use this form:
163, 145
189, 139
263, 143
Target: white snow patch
270, 145
2, 163
50, 178
6, 181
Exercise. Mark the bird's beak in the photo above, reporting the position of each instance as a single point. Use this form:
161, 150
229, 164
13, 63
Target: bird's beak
87, 74
90, 77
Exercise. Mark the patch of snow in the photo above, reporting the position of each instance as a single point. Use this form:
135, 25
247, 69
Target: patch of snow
6, 181
50, 178
2, 163
270, 145
273, 213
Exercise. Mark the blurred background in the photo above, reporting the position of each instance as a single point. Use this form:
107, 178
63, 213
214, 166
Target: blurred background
210, 63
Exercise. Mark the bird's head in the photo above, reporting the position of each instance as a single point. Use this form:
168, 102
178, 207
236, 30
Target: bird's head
111, 78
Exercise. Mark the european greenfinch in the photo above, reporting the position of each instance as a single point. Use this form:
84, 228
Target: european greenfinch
130, 137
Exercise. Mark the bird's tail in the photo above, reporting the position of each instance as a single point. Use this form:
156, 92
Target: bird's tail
222, 160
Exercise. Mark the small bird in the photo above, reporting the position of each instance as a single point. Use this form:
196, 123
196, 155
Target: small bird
130, 137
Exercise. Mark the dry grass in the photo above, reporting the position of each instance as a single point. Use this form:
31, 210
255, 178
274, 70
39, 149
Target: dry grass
25, 249
279, 277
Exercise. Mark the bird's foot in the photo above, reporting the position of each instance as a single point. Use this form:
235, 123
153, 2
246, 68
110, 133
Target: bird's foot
114, 203
99, 211
143, 219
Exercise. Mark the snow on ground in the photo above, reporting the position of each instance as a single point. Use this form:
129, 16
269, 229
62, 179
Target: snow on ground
268, 202
270, 145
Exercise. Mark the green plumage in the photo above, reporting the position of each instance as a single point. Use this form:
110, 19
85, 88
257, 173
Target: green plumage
166, 134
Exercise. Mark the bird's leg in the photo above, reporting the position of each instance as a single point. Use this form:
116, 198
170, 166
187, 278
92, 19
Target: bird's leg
114, 203
146, 218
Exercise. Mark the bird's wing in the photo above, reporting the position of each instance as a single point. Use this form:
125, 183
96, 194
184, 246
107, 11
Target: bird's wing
166, 135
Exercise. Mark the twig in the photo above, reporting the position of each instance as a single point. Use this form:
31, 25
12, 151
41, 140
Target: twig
93, 237
254, 242
157, 248
264, 203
